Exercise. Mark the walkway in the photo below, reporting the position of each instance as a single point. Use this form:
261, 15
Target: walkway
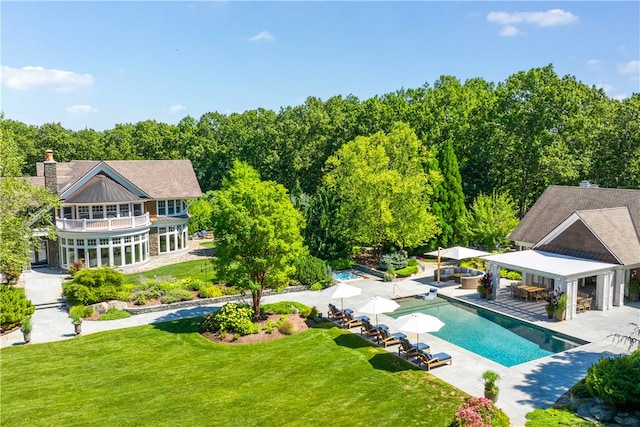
536, 384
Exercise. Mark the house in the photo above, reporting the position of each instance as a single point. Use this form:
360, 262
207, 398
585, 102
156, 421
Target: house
116, 213
581, 240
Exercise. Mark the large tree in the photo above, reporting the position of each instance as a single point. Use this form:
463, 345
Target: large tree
23, 209
259, 232
491, 219
383, 190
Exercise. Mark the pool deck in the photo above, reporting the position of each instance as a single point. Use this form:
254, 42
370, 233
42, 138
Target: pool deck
536, 384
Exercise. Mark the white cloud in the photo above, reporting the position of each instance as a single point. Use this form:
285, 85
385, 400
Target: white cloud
81, 110
594, 64
509, 31
549, 18
177, 108
262, 36
38, 77
631, 67
620, 97
606, 87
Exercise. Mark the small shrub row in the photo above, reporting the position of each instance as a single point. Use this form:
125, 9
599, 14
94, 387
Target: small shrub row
176, 295
14, 306
90, 286
289, 307
407, 271
510, 274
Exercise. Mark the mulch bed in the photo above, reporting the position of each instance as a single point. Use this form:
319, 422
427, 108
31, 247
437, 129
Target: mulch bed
300, 324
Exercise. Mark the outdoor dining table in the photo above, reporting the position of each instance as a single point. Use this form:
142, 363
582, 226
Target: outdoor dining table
531, 290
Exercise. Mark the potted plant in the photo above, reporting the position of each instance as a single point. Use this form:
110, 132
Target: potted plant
76, 313
26, 329
487, 283
490, 387
550, 308
482, 291
561, 306
634, 290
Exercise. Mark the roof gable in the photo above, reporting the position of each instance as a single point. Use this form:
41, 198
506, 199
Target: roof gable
102, 189
557, 203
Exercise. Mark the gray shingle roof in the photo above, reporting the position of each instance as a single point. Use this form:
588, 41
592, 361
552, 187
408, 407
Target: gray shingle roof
616, 230
558, 202
102, 189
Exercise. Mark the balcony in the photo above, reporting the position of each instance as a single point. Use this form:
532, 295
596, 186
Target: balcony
105, 224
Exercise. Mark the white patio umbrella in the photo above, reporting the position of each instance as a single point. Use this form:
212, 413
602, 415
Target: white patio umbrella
418, 323
341, 290
376, 305
456, 252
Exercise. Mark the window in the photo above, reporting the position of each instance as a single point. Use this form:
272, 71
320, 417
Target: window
104, 242
116, 240
67, 212
83, 212
171, 207
91, 242
162, 207
137, 209
112, 211
79, 242
97, 212
124, 210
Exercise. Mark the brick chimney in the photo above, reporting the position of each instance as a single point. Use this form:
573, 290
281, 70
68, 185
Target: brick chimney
50, 172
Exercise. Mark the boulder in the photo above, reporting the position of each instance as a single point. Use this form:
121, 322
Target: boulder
626, 419
100, 307
118, 305
603, 412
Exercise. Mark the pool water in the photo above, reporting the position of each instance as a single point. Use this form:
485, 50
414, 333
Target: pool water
345, 276
500, 338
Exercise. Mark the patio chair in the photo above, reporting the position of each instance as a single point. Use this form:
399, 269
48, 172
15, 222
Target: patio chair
335, 313
587, 303
371, 331
411, 350
351, 322
433, 360
386, 338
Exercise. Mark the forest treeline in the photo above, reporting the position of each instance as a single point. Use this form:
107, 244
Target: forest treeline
515, 137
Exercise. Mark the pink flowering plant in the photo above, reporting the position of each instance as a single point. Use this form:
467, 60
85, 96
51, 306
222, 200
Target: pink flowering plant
474, 412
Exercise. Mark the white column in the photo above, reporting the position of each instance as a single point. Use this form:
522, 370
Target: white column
618, 287
604, 290
495, 269
571, 289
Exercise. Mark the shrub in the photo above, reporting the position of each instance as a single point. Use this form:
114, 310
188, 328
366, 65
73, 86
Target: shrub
388, 276
510, 274
555, 417
475, 411
407, 271
211, 291
14, 306
75, 267
341, 263
616, 380
232, 318
283, 307
580, 389
140, 299
90, 286
114, 314
176, 295
270, 326
79, 312
316, 287
310, 270
412, 262
286, 326
395, 260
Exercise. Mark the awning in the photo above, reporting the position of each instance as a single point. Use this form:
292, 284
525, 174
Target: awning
549, 264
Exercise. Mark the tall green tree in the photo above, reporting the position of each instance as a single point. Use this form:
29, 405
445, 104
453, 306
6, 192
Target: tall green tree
23, 209
259, 232
448, 200
491, 218
383, 190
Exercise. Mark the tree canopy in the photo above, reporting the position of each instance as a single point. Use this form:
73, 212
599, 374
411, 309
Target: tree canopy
258, 230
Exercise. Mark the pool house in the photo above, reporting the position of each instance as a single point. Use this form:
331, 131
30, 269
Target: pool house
579, 240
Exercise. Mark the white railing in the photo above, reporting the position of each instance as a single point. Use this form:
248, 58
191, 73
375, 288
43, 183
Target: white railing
105, 224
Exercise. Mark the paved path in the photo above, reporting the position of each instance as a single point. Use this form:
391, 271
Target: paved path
536, 384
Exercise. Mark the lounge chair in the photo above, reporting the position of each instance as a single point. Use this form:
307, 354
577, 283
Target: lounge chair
433, 360
411, 350
371, 331
386, 338
351, 322
335, 313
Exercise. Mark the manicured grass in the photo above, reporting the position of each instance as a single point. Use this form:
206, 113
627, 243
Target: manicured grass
208, 244
199, 269
167, 374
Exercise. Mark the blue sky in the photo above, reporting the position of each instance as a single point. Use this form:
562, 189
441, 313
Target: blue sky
96, 64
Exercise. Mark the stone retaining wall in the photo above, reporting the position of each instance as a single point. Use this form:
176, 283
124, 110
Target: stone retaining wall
208, 301
368, 270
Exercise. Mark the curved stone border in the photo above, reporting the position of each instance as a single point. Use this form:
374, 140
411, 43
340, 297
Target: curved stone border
207, 301
369, 270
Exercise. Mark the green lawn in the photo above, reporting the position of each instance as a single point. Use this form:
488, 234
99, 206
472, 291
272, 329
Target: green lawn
199, 269
167, 374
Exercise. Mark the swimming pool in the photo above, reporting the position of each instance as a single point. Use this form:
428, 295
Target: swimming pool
345, 276
500, 338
